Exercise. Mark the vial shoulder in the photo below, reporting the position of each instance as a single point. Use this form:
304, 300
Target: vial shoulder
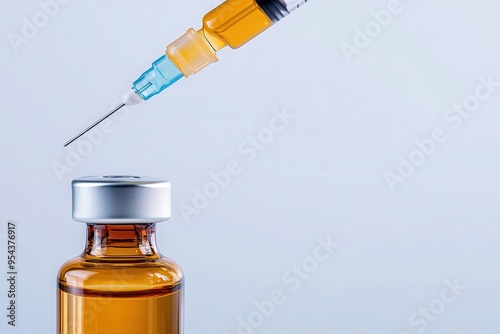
108, 275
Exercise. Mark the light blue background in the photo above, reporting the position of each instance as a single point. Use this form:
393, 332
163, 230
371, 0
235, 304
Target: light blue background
323, 175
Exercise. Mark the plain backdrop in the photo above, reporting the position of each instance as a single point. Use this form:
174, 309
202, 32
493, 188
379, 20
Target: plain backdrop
323, 176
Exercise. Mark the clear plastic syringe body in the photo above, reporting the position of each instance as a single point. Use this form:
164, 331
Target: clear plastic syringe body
233, 23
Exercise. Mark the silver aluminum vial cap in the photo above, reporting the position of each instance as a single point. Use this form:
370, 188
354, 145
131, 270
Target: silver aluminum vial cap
121, 199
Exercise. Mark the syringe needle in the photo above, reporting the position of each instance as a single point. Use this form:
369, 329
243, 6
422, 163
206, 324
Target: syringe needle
121, 105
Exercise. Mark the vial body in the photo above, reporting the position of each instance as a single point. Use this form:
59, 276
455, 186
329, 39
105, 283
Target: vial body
120, 284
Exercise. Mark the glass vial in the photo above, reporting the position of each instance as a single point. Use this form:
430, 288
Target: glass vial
121, 283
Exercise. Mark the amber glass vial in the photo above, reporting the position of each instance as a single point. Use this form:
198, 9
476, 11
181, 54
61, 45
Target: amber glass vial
121, 283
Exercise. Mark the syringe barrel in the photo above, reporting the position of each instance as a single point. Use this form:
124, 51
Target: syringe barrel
236, 22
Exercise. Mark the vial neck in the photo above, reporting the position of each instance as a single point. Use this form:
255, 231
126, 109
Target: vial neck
121, 241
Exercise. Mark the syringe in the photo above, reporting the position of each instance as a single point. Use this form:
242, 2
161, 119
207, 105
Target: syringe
233, 23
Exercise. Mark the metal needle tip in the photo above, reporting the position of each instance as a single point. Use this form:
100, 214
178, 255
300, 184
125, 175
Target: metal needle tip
95, 124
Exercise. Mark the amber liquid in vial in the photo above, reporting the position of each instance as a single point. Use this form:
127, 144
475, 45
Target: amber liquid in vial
120, 284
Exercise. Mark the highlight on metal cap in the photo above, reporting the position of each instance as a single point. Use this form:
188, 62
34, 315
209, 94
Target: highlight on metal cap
121, 199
